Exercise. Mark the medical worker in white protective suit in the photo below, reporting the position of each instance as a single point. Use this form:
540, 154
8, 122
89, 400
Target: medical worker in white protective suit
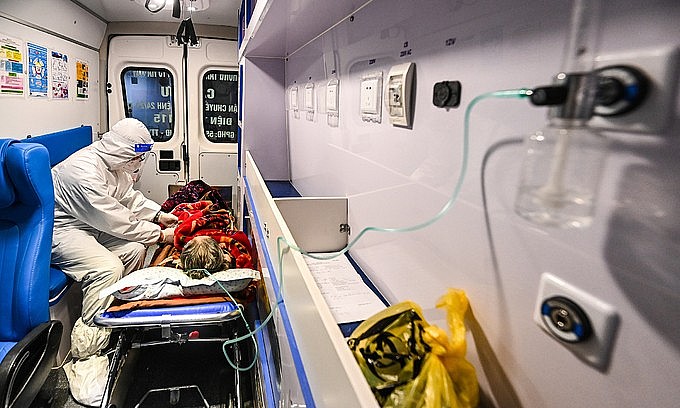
102, 227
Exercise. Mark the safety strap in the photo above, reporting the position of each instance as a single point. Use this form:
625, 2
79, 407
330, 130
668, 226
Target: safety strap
186, 33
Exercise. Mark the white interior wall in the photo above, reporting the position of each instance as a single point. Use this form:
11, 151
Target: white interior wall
65, 28
396, 177
262, 115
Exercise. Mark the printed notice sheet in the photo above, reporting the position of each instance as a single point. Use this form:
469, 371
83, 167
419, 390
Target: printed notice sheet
11, 66
37, 70
348, 297
82, 79
60, 76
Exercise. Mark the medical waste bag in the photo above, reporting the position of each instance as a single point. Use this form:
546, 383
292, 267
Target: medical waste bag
410, 363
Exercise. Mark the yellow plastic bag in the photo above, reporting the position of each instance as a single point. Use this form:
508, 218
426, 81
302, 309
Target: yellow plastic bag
411, 364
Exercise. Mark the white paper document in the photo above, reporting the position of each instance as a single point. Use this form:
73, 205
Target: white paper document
348, 297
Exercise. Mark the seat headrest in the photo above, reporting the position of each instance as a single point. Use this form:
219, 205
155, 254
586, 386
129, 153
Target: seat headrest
7, 195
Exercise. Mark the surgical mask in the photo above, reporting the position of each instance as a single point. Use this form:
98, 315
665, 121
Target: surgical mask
134, 167
137, 175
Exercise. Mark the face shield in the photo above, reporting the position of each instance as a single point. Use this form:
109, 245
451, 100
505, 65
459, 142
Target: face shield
135, 166
126, 140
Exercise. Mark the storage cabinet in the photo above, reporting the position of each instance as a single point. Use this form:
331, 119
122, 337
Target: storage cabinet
316, 366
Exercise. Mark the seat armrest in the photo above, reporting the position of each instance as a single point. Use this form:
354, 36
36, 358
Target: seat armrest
26, 366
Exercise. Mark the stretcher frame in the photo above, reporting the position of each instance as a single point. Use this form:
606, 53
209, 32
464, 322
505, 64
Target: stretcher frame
176, 325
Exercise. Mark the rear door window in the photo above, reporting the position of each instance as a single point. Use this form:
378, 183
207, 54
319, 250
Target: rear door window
148, 95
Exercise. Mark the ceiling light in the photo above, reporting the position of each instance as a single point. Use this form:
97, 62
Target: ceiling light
197, 5
155, 6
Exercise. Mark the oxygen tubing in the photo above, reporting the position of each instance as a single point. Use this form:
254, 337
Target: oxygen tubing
510, 93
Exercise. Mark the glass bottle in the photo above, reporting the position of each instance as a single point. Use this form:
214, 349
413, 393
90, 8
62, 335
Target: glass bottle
561, 173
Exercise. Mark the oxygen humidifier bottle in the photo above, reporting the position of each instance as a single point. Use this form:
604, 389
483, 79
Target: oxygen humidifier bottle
563, 162
561, 173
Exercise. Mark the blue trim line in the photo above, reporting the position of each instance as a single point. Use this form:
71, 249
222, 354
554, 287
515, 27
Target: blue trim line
264, 362
279, 189
348, 328
249, 11
299, 368
366, 279
240, 92
238, 151
241, 25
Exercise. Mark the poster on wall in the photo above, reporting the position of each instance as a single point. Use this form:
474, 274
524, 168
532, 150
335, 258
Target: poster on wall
11, 66
82, 79
37, 70
60, 76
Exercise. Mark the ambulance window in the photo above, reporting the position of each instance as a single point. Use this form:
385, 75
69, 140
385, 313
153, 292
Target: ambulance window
220, 106
148, 96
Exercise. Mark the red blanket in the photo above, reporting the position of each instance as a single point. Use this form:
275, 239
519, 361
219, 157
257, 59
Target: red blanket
206, 218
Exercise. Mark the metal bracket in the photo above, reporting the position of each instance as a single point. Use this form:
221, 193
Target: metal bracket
172, 42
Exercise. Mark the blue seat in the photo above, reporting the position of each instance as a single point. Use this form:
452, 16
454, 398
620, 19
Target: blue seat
61, 145
28, 339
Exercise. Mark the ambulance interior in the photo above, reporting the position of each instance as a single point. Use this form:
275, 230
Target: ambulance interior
373, 152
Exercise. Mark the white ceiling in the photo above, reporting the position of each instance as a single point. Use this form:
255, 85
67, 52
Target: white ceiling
219, 12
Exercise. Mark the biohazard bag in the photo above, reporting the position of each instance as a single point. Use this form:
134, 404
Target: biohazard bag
409, 363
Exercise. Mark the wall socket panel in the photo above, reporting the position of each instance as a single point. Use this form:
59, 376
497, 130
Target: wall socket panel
655, 113
603, 318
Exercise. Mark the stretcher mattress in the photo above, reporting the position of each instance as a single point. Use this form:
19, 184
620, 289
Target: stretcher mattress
203, 313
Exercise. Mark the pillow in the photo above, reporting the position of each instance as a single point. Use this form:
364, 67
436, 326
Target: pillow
158, 282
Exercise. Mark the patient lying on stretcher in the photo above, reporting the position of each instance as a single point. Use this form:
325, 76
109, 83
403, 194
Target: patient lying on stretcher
203, 254
203, 218
206, 243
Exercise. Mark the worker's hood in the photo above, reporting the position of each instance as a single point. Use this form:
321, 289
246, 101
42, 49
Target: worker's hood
126, 140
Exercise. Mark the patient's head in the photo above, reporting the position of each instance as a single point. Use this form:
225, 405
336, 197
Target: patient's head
202, 252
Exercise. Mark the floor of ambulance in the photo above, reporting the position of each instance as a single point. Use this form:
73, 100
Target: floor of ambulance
164, 366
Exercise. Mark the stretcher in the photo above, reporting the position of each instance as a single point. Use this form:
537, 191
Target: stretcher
188, 340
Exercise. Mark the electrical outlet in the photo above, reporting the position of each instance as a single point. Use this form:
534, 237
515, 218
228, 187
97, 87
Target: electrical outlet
578, 320
294, 98
660, 66
371, 90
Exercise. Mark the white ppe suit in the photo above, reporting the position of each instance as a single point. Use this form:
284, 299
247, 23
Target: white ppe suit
102, 225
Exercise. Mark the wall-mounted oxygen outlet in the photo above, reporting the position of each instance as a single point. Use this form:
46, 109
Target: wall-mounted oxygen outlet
398, 94
578, 320
660, 67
